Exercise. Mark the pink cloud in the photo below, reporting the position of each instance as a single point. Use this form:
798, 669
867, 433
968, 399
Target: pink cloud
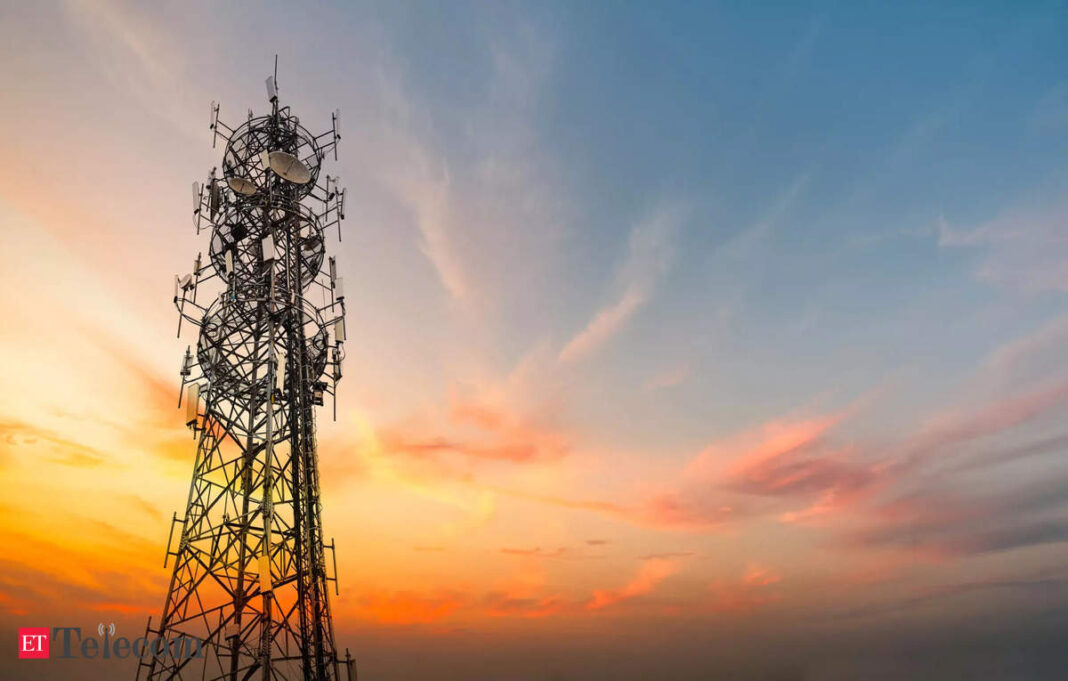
650, 574
753, 590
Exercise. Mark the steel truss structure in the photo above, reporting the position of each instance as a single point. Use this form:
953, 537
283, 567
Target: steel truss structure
250, 569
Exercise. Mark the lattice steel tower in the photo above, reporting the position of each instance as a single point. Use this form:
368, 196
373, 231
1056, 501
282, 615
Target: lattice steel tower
250, 570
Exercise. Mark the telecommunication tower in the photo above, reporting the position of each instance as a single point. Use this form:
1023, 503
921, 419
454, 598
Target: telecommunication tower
250, 571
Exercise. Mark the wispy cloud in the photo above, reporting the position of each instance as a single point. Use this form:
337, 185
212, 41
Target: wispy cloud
1024, 250
141, 59
430, 200
651, 249
755, 589
650, 574
668, 378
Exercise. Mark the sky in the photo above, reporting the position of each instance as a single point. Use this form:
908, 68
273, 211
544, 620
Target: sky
686, 340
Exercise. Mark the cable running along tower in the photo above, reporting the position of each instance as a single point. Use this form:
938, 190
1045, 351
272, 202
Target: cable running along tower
250, 569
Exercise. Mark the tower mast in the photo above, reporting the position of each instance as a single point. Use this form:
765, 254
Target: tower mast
249, 578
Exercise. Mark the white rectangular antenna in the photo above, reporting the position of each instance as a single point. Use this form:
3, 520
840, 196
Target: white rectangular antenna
228, 263
215, 198
272, 89
192, 404
268, 248
339, 330
339, 288
196, 197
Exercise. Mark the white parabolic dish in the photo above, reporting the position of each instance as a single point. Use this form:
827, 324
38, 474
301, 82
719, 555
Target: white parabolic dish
289, 167
242, 186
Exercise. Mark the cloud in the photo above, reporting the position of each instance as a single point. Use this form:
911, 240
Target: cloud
140, 58
667, 379
1041, 447
783, 459
469, 166
515, 452
429, 197
106, 568
538, 552
691, 510
939, 592
960, 426
794, 459
15, 433
604, 325
1024, 250
505, 605
407, 607
669, 555
650, 574
474, 430
937, 523
561, 552
651, 248
739, 456
143, 505
757, 575
754, 589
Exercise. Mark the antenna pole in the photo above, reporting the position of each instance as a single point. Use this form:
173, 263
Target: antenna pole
249, 578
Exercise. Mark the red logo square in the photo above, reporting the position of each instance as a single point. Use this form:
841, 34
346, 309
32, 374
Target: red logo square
33, 643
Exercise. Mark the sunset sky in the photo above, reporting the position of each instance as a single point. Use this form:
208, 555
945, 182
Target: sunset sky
684, 339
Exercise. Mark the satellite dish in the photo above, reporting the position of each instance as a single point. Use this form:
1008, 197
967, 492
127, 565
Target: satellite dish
289, 167
242, 186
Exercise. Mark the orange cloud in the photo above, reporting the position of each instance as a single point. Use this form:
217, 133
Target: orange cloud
757, 575
650, 574
504, 605
473, 431
753, 590
537, 552
406, 607
686, 510
739, 455
515, 452
14, 433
